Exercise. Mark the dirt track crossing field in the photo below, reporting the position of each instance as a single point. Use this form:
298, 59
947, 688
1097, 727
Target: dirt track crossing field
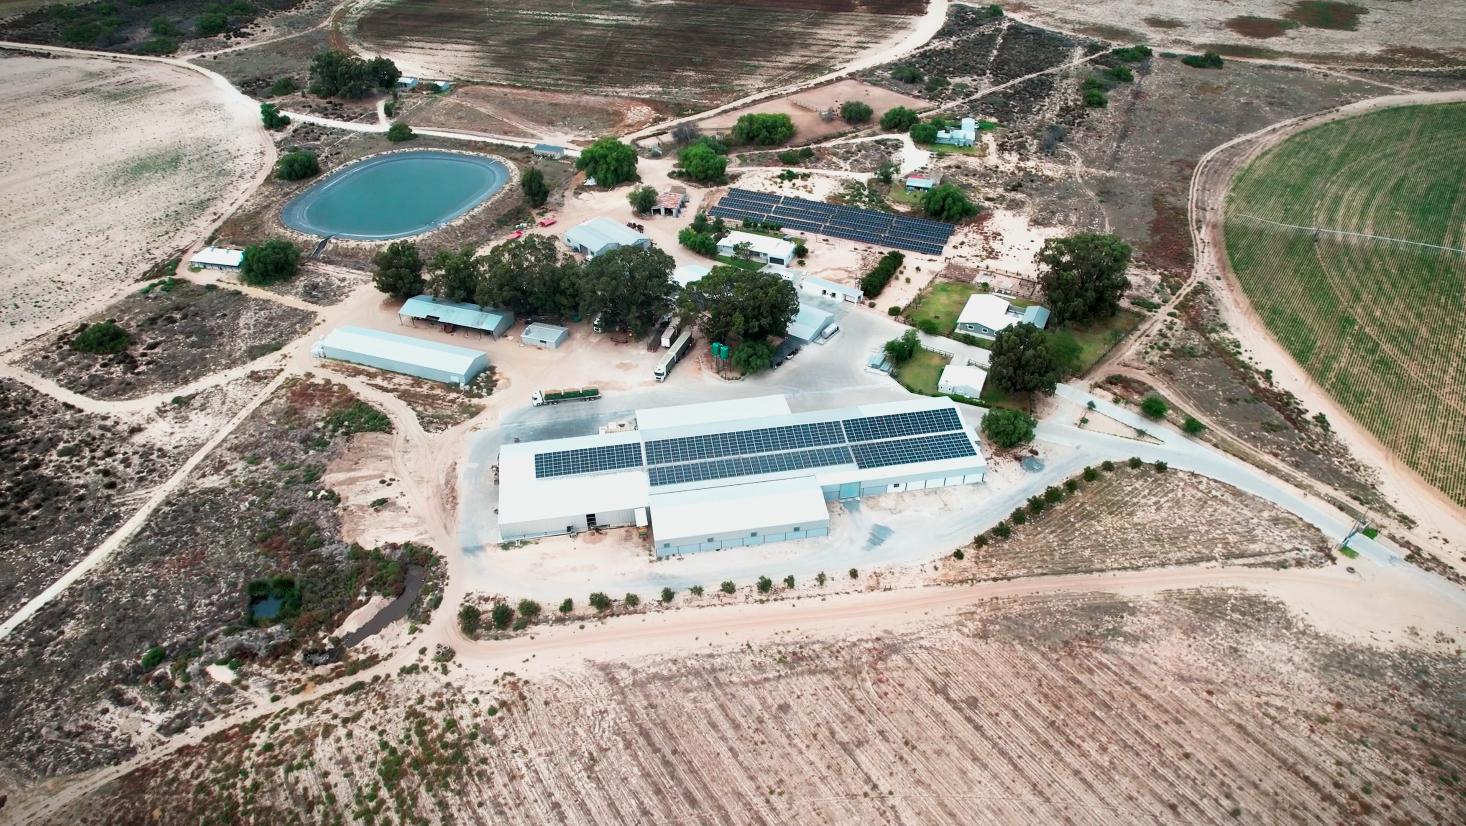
688, 52
1378, 322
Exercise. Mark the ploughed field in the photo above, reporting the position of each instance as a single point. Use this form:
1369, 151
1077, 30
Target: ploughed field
1372, 303
693, 53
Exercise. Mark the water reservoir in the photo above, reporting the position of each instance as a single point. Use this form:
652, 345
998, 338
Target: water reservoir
395, 195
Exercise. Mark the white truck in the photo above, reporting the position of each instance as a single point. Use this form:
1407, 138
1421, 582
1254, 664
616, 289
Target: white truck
569, 394
670, 334
673, 355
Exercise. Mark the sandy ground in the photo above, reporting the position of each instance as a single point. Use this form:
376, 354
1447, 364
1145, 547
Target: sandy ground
1398, 32
111, 167
804, 108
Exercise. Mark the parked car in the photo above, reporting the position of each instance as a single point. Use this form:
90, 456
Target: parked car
792, 353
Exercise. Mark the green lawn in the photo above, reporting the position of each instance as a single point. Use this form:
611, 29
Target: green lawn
741, 263
942, 303
899, 195
1096, 339
920, 375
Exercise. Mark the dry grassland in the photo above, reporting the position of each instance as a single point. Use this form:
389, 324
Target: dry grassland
1190, 707
1131, 519
108, 168
691, 53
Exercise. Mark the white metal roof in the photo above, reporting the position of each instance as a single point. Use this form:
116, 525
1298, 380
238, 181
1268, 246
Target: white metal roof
708, 512
597, 233
991, 311
962, 379
407, 349
812, 283
524, 498
810, 322
760, 244
218, 257
657, 418
455, 312
544, 332
687, 273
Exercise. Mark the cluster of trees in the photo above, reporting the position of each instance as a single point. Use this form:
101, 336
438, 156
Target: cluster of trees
947, 202
270, 262
901, 350
702, 235
336, 73
609, 161
743, 309
1008, 428
704, 160
898, 119
885, 269
1083, 276
297, 164
762, 129
630, 287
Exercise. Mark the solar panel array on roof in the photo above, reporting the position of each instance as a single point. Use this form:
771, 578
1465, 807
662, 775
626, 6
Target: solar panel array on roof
749, 465
865, 225
902, 424
587, 460
763, 440
915, 449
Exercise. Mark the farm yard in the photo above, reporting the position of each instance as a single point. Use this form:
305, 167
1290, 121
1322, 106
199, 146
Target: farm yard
690, 53
1138, 518
1191, 706
1376, 320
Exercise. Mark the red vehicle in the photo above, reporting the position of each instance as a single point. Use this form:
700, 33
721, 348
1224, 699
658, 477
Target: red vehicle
548, 220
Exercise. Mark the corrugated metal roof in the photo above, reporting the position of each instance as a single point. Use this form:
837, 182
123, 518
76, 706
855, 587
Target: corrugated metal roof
432, 355
761, 244
709, 512
453, 312
218, 257
809, 322
599, 233
548, 333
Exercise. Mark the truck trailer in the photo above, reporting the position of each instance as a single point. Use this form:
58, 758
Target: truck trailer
569, 394
672, 356
669, 335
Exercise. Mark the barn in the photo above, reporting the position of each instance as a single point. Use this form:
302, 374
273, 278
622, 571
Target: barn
402, 354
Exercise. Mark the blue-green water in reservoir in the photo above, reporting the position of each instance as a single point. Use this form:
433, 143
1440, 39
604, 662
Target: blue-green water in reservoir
395, 195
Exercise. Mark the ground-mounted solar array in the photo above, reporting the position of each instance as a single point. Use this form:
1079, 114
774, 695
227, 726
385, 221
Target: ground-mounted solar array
587, 460
863, 441
866, 225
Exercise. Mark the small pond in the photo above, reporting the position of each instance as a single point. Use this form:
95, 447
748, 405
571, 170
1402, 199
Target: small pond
395, 195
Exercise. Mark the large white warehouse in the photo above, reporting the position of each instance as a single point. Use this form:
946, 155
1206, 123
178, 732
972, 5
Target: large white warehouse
724, 475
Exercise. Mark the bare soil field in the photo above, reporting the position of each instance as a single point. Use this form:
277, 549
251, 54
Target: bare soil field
1198, 706
75, 476
92, 140
1359, 31
252, 70
74, 691
1138, 518
689, 54
437, 406
529, 113
320, 284
805, 107
157, 27
180, 332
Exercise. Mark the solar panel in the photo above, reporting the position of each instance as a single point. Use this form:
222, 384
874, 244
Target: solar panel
869, 428
587, 460
762, 440
749, 465
837, 221
907, 451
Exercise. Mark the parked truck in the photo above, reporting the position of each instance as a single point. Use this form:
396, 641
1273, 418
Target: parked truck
670, 334
569, 394
673, 355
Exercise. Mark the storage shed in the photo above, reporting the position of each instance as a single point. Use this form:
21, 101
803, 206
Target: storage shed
472, 316
549, 150
962, 380
809, 322
544, 336
829, 289
402, 354
601, 235
218, 258
760, 247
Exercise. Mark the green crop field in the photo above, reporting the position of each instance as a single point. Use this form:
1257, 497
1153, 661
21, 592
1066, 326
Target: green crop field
1371, 304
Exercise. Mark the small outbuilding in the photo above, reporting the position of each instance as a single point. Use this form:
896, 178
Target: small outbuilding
922, 183
457, 314
402, 354
601, 235
962, 380
218, 258
964, 135
829, 289
544, 336
549, 150
405, 83
760, 247
671, 202
686, 274
810, 322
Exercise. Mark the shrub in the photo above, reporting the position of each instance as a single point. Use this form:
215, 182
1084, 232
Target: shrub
501, 615
399, 132
567, 605
1154, 407
272, 119
1008, 428
273, 261
1193, 426
704, 243
631, 600
529, 609
906, 73
1053, 495
297, 165
1019, 516
789, 581
1002, 531
151, 658
1160, 467
1131, 54
924, 132
765, 585
854, 573
959, 555
820, 579
469, 618
210, 23
600, 602
284, 86
1107, 466
727, 587
855, 111
667, 595
1090, 474
946, 202
893, 311
102, 338
1205, 60
1036, 505
898, 119
980, 541
642, 199
1135, 462
695, 590
902, 349
701, 162
1095, 98
1071, 485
